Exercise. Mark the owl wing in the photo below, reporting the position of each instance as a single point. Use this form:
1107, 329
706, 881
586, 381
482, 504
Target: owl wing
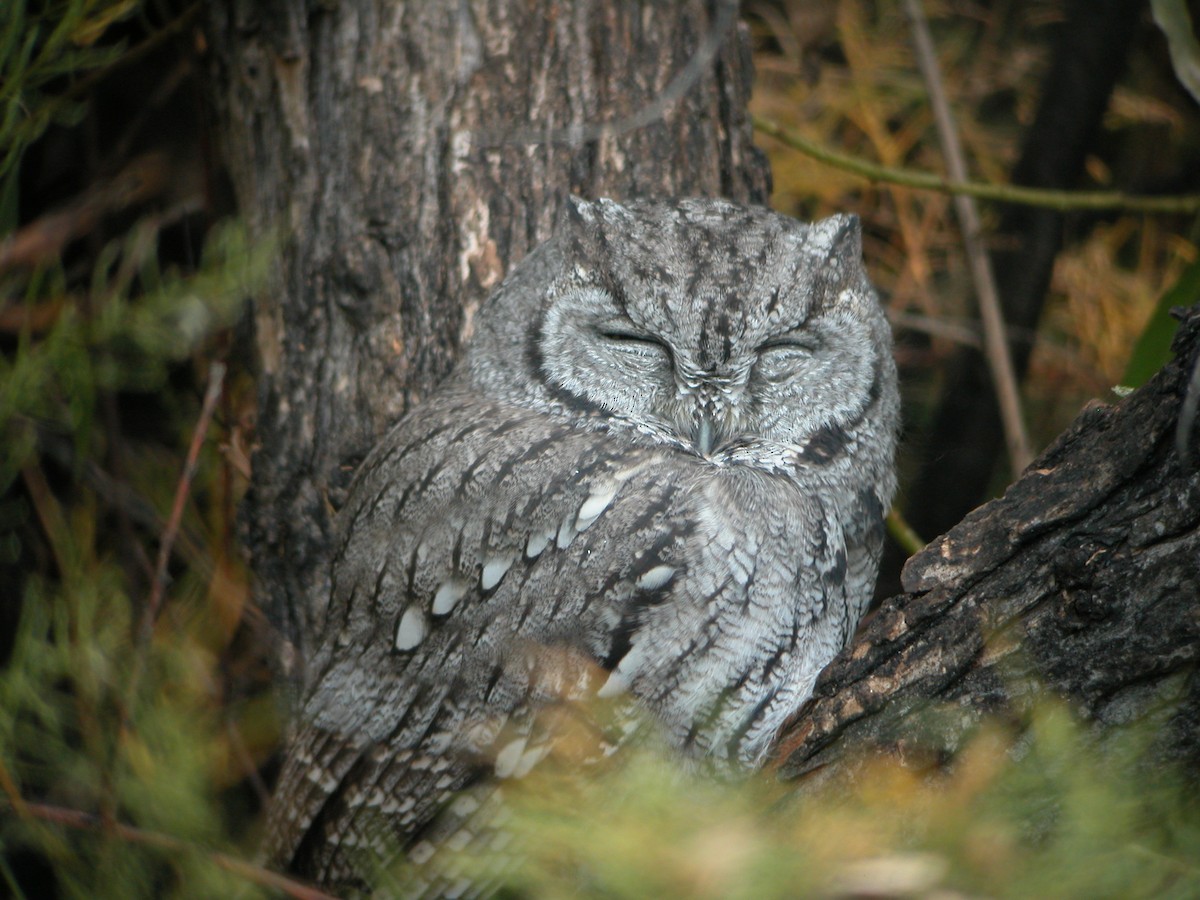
477, 535
495, 560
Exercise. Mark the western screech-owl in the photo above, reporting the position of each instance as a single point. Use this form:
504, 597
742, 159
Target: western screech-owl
660, 472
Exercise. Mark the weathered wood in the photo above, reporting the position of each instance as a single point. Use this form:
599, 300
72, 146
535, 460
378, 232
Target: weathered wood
385, 147
1083, 578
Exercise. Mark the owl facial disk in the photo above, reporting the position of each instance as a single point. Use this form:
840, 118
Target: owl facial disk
710, 332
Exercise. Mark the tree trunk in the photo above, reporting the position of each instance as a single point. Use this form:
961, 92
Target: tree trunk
392, 151
1083, 578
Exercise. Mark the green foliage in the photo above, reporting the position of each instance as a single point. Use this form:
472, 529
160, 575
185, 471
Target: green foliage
1044, 812
91, 721
118, 742
41, 44
126, 342
96, 715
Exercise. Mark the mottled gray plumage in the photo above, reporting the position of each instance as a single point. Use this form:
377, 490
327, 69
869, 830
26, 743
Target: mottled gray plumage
659, 473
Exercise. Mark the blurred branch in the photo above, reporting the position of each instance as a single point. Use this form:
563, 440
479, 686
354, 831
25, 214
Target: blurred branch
1063, 201
902, 533
966, 333
149, 45
49, 512
959, 333
35, 318
216, 377
74, 818
43, 240
995, 341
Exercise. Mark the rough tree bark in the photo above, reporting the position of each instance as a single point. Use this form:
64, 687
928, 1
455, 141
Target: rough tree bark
1083, 578
386, 147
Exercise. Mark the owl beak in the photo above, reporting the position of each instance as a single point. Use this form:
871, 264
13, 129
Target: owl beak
704, 434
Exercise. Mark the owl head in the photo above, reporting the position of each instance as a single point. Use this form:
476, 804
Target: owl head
700, 323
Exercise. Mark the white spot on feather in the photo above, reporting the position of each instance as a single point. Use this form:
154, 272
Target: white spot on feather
411, 630
529, 759
566, 532
615, 686
593, 506
323, 779
500, 840
538, 540
621, 677
421, 852
493, 570
654, 578
625, 474
450, 592
394, 807
509, 757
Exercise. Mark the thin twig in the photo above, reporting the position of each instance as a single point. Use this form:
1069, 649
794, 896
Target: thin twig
134, 54
903, 534
216, 377
59, 448
74, 818
995, 341
45, 238
10, 791
1063, 201
49, 513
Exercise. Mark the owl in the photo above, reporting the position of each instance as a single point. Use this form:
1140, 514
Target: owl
658, 477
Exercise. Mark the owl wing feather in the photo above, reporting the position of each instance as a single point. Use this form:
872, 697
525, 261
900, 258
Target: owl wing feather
583, 561
462, 548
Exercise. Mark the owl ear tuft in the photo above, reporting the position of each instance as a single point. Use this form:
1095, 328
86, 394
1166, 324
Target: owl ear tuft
581, 225
577, 230
577, 212
842, 234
